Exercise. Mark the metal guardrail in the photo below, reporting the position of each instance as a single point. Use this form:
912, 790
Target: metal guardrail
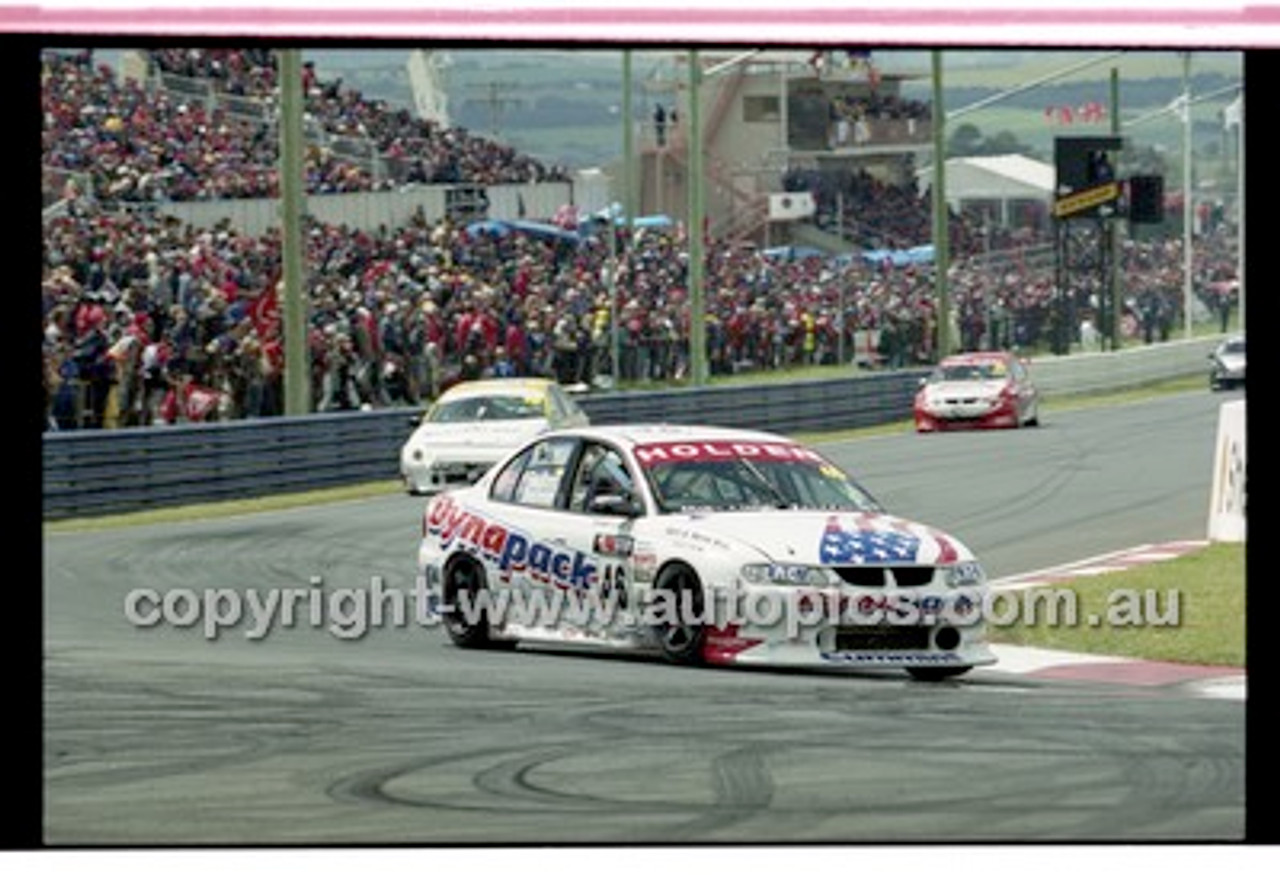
1114, 370
89, 473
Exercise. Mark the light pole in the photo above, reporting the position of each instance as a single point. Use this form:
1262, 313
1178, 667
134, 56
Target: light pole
1114, 227
697, 211
616, 261
1240, 209
940, 232
297, 372
1187, 202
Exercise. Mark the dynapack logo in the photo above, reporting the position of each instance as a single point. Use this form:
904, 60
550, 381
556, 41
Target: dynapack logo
510, 549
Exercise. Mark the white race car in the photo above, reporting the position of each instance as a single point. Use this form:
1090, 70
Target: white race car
1227, 364
701, 544
474, 424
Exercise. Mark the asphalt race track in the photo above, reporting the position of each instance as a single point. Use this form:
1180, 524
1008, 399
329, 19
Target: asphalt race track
159, 736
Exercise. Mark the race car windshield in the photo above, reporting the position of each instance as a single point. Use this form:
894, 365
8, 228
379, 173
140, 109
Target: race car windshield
497, 408
969, 372
716, 476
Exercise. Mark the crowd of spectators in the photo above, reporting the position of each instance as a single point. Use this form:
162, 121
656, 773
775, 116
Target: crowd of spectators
873, 214
853, 117
131, 142
149, 320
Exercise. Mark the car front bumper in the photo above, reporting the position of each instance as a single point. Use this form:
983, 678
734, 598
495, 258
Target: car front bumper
854, 629
961, 417
429, 476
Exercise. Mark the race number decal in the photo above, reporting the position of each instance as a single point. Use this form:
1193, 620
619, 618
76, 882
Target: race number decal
614, 581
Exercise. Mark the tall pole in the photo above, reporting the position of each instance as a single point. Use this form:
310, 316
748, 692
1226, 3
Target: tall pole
615, 262
1114, 224
841, 282
297, 371
1240, 210
1187, 202
697, 212
940, 233
611, 231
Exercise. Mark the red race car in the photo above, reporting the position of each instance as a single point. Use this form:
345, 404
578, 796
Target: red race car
988, 389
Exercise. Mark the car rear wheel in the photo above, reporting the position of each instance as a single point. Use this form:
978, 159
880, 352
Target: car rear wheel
935, 675
465, 618
679, 614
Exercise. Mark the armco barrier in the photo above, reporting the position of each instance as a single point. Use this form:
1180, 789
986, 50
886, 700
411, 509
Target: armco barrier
1115, 370
90, 473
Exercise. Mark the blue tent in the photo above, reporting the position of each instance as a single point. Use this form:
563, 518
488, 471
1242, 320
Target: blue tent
492, 228
793, 253
652, 221
543, 230
917, 255
619, 216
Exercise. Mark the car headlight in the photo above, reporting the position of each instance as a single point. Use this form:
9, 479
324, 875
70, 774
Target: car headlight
963, 575
792, 574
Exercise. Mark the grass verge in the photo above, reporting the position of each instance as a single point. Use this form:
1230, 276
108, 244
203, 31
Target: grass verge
231, 508
1201, 594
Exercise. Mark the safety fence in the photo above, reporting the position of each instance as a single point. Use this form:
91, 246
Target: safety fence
88, 473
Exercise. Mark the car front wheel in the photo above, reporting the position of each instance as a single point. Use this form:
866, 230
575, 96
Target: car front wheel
678, 612
466, 618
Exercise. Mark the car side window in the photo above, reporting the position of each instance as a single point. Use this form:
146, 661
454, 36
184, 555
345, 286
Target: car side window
539, 482
601, 471
504, 485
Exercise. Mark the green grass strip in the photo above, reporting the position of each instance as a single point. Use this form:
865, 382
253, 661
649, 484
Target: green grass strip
1202, 593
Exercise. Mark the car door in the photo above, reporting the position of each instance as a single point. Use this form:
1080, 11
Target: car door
529, 551
603, 504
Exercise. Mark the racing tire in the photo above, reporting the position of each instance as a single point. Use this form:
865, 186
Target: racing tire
463, 578
681, 642
936, 675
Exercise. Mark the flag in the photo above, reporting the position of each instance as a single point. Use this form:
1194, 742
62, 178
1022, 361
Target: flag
264, 311
790, 206
866, 543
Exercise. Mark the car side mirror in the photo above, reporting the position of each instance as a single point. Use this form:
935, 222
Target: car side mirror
614, 505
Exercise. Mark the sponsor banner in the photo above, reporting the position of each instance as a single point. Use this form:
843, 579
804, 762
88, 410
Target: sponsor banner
510, 549
1082, 201
1227, 506
721, 450
790, 206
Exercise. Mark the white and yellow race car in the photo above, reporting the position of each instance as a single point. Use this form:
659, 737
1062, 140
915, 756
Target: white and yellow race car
473, 424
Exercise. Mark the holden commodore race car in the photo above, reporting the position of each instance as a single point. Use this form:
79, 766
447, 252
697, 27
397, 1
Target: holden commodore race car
988, 389
700, 545
473, 424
